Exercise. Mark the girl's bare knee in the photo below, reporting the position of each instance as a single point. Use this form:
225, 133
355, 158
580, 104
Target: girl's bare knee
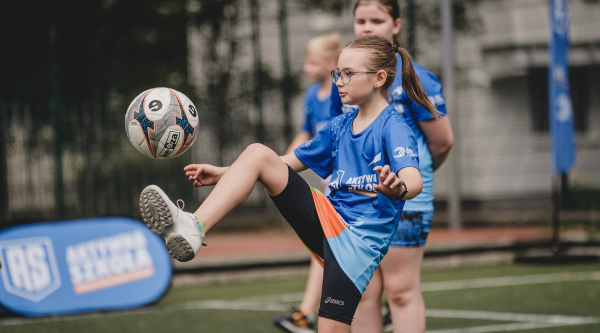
402, 295
256, 149
259, 153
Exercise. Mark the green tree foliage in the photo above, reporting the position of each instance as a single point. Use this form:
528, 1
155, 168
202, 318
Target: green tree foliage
103, 47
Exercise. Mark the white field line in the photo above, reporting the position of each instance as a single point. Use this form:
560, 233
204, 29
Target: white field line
525, 321
470, 284
496, 328
507, 316
509, 281
274, 302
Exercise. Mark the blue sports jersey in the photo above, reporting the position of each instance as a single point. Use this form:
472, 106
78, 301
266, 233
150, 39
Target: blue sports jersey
318, 112
402, 103
400, 100
370, 218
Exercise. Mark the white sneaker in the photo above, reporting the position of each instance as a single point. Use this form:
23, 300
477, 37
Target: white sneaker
178, 228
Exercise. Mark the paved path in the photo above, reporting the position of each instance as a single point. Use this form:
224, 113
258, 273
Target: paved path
283, 244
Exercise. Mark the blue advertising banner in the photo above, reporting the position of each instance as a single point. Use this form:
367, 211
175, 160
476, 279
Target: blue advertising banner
561, 110
81, 265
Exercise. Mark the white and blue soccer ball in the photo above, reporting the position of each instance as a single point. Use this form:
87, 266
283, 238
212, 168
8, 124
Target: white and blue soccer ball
161, 123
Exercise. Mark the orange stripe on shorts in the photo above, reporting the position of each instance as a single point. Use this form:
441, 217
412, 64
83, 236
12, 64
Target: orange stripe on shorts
330, 220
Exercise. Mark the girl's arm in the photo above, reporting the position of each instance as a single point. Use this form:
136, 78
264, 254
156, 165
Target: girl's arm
390, 184
439, 139
294, 163
412, 178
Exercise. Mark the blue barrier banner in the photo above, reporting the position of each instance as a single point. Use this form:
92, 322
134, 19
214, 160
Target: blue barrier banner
81, 265
561, 110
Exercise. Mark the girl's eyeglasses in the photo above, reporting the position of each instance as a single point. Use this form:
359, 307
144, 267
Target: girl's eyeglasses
345, 75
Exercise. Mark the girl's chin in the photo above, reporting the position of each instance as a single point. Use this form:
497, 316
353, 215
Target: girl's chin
347, 100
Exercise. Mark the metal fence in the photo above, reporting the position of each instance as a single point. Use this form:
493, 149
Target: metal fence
247, 72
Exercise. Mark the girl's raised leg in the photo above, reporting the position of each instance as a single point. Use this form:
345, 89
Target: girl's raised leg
181, 231
257, 163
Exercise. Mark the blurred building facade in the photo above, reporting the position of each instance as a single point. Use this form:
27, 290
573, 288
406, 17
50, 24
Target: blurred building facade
500, 117
246, 65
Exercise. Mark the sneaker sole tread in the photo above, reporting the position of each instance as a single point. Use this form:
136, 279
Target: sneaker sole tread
157, 217
155, 212
180, 249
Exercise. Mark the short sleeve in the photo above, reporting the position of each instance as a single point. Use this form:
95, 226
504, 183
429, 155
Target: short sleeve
433, 89
317, 153
401, 147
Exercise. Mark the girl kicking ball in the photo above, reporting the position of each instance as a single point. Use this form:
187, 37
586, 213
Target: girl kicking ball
372, 157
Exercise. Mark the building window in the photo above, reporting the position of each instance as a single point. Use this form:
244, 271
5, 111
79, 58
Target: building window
579, 81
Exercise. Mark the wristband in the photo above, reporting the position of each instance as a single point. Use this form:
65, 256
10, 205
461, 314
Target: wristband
401, 196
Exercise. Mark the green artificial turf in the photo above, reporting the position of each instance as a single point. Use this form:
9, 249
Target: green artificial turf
180, 310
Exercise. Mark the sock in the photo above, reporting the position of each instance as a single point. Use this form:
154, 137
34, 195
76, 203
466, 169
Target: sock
200, 224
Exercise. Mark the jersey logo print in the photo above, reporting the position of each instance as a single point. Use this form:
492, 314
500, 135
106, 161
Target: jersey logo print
401, 152
376, 159
188, 129
145, 123
335, 184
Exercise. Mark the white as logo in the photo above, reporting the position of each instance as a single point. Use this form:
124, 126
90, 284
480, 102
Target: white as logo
335, 184
31, 271
402, 151
399, 152
563, 108
560, 75
376, 159
398, 91
561, 17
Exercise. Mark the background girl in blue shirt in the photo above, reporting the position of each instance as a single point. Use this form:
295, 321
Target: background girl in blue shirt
320, 58
373, 157
399, 274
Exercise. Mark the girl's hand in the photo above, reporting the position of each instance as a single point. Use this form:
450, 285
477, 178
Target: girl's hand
389, 184
204, 174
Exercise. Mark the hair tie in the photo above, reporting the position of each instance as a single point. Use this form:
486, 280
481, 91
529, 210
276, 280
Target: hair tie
395, 47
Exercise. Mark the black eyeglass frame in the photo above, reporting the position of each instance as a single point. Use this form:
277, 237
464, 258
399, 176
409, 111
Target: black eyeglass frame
336, 74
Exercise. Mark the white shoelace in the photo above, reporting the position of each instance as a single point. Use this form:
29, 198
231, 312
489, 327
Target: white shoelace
181, 207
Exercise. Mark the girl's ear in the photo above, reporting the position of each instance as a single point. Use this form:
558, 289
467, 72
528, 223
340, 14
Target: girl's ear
381, 77
397, 26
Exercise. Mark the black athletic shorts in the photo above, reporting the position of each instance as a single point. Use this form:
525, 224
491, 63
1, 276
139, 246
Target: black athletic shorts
339, 297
